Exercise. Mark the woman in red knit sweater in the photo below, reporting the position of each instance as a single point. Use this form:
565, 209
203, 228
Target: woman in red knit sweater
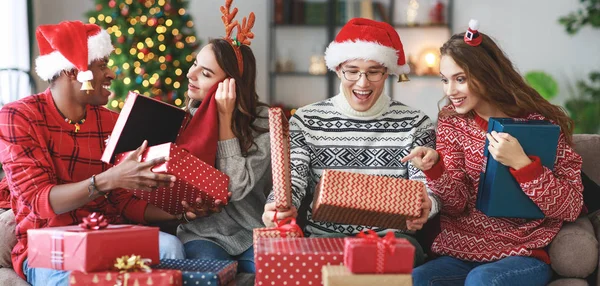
480, 82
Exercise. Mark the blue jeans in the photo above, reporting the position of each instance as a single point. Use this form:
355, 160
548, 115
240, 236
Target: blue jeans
204, 249
169, 247
514, 270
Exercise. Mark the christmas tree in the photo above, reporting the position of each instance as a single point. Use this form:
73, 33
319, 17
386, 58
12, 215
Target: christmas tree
155, 45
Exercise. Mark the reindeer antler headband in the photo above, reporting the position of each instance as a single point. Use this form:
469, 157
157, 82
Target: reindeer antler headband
243, 35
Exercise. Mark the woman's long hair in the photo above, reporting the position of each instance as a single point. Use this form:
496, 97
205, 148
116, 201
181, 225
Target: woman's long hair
492, 77
246, 101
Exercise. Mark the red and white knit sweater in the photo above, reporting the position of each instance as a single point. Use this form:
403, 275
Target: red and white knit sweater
467, 233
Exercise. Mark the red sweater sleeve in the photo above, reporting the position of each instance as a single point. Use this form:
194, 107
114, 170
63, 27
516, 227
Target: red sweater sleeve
447, 178
28, 168
558, 193
129, 205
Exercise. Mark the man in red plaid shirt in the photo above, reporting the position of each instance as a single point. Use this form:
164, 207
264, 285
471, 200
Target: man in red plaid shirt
51, 144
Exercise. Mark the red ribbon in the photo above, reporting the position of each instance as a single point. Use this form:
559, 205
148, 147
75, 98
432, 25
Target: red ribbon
286, 225
384, 244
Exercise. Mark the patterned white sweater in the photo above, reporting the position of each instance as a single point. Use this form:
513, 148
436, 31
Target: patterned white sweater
331, 135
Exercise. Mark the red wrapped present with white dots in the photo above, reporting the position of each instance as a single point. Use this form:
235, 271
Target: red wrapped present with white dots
351, 198
146, 118
280, 158
194, 179
295, 261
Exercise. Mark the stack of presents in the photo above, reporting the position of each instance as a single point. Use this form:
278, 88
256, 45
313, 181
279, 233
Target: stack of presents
129, 254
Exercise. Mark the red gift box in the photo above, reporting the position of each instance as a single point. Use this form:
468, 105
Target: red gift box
290, 261
144, 118
75, 248
285, 228
155, 277
280, 158
194, 179
369, 200
370, 254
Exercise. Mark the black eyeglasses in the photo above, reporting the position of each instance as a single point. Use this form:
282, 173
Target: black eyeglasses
371, 76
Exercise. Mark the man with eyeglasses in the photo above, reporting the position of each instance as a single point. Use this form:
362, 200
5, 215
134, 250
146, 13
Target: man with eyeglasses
359, 130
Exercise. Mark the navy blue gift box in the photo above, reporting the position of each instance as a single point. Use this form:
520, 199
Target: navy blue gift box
202, 272
499, 194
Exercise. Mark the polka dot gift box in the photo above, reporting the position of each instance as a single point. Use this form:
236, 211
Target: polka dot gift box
202, 272
194, 179
295, 261
145, 118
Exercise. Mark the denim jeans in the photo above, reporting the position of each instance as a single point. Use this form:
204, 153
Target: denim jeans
514, 270
204, 249
169, 247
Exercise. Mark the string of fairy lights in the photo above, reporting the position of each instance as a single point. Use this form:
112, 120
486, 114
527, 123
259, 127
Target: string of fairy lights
143, 49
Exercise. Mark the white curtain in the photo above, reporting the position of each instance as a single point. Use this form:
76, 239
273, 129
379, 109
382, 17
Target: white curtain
14, 52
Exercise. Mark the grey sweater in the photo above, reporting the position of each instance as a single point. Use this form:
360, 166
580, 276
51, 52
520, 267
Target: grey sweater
250, 183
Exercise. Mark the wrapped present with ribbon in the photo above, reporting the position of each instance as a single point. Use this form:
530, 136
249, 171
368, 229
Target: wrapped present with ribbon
196, 178
289, 261
129, 270
336, 275
284, 228
90, 246
202, 272
367, 253
279, 131
369, 200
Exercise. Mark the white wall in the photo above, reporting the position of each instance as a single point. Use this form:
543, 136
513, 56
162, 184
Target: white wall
528, 31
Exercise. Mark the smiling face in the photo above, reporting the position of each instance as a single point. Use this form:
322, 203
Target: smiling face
204, 74
362, 94
103, 77
456, 87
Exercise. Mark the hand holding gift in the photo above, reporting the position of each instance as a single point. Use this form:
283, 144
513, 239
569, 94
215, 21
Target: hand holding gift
507, 150
203, 208
422, 158
271, 214
132, 174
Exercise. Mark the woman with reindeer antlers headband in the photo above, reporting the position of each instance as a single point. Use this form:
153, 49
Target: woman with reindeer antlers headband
222, 94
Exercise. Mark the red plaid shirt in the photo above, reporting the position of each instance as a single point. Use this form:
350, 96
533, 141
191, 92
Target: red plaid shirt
40, 150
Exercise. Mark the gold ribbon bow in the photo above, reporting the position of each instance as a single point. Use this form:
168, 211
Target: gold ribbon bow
132, 263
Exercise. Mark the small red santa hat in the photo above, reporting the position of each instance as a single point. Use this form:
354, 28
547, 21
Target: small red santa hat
69, 45
367, 39
472, 36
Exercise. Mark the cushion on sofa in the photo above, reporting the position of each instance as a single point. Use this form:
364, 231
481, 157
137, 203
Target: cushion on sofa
569, 282
574, 250
8, 238
10, 277
586, 145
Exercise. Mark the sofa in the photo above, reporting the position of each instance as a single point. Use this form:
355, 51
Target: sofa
574, 251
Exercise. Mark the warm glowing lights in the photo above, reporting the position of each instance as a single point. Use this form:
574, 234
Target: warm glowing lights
140, 45
161, 59
181, 11
126, 80
108, 19
92, 20
162, 48
131, 30
178, 102
100, 17
168, 80
169, 22
176, 84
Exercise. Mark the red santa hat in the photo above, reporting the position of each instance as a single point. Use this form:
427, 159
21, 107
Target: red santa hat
472, 36
367, 39
70, 45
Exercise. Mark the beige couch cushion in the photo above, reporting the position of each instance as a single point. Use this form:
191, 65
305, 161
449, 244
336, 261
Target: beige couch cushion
7, 237
588, 146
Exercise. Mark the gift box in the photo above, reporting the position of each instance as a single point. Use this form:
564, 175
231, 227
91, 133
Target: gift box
284, 228
358, 199
111, 278
280, 158
89, 250
341, 276
499, 193
370, 254
195, 178
202, 272
286, 261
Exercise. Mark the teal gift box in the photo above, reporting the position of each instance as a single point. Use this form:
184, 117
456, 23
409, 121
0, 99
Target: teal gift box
499, 194
202, 272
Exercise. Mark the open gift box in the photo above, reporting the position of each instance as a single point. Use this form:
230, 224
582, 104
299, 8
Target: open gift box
144, 118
